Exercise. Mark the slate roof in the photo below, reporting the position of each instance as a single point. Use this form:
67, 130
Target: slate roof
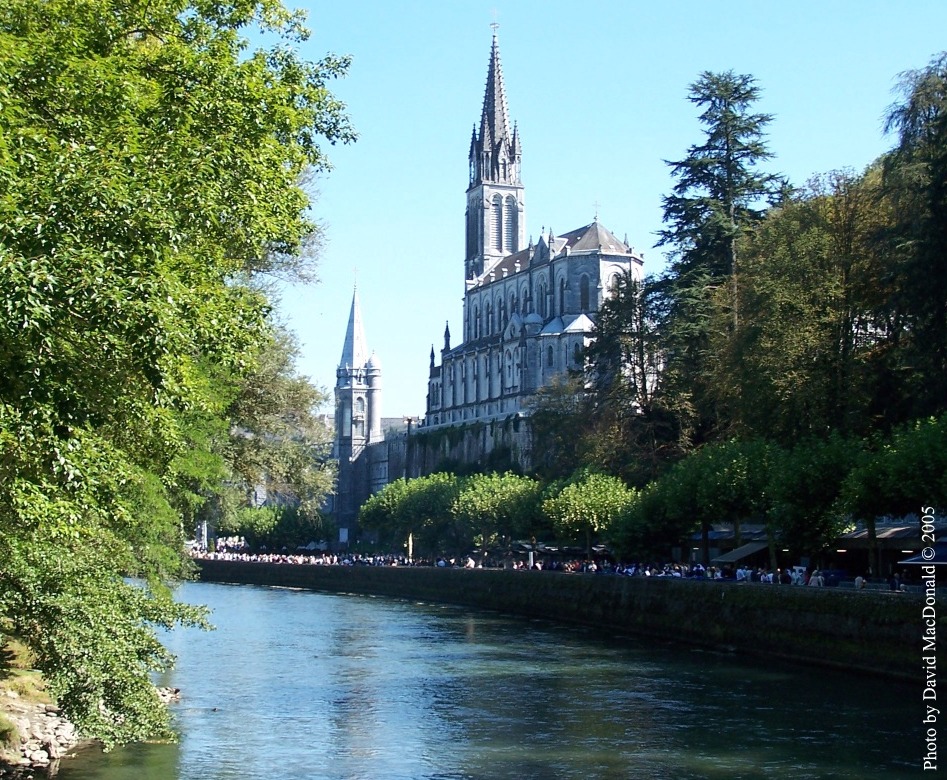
588, 239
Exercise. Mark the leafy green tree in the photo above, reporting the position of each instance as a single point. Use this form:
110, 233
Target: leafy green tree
275, 527
916, 178
279, 441
629, 430
588, 506
492, 509
896, 475
421, 508
149, 171
557, 415
426, 513
383, 514
803, 489
812, 288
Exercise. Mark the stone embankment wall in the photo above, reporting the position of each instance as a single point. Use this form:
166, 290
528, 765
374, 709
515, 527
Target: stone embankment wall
869, 631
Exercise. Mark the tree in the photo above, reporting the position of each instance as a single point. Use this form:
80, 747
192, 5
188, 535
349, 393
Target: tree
629, 429
896, 475
492, 509
421, 508
803, 489
718, 196
807, 357
557, 415
149, 169
588, 506
916, 179
278, 440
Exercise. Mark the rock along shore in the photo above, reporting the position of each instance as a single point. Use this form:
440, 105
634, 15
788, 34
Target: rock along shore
45, 737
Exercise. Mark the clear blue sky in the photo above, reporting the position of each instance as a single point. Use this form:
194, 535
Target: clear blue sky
599, 90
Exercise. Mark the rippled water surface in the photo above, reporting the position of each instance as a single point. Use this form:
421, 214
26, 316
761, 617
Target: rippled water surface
294, 684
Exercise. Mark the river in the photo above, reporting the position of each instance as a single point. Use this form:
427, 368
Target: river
311, 686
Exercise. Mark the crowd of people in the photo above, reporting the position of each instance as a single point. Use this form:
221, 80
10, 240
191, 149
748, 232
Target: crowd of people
798, 575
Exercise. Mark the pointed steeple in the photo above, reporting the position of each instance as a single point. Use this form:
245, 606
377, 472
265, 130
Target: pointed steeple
495, 118
496, 151
354, 351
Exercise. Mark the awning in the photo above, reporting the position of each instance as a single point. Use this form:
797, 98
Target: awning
741, 552
939, 556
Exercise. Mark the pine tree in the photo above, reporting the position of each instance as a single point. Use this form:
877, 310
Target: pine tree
719, 195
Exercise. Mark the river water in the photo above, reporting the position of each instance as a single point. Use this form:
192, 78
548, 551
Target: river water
302, 685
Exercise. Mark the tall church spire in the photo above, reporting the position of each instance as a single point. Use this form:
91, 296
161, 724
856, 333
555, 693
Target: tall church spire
354, 351
496, 218
495, 152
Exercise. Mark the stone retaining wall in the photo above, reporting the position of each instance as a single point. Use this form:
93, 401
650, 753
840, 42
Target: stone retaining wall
875, 631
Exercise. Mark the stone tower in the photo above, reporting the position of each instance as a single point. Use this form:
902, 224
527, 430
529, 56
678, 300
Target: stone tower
496, 217
357, 417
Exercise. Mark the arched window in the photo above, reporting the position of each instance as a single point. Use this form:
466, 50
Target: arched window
359, 406
584, 293
476, 322
577, 354
501, 309
509, 224
496, 223
509, 368
489, 322
562, 296
549, 357
542, 299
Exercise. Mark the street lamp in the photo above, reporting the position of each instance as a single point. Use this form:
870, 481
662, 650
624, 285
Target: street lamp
407, 454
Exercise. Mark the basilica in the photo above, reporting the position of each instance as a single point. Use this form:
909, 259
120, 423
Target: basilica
529, 308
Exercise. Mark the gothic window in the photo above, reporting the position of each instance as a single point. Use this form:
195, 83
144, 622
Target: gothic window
359, 406
476, 322
549, 357
509, 369
497, 222
509, 224
542, 299
584, 293
562, 296
524, 297
489, 323
577, 354
345, 415
501, 315
613, 284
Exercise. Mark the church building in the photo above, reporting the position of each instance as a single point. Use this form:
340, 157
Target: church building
358, 425
529, 308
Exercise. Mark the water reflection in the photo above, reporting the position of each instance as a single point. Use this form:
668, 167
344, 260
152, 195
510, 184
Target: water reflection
305, 685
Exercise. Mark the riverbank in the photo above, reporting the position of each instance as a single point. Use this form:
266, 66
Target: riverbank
43, 736
876, 632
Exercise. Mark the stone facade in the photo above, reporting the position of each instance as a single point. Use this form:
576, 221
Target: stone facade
529, 308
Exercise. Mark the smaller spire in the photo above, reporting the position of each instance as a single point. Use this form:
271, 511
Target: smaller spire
447, 336
354, 351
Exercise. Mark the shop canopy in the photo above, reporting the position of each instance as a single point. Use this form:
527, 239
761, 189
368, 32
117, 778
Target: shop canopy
741, 552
